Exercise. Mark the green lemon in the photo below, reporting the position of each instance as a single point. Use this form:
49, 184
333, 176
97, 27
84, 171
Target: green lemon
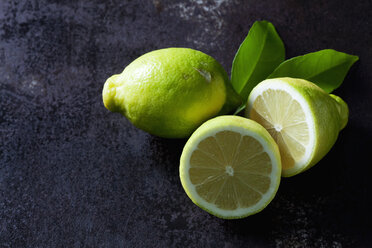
230, 167
170, 92
303, 119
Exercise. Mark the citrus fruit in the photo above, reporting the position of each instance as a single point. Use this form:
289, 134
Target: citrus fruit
230, 167
303, 119
170, 92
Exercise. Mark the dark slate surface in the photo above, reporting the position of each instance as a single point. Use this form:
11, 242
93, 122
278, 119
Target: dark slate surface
72, 174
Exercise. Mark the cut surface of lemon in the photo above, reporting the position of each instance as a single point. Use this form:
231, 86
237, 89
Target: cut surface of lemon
301, 117
230, 167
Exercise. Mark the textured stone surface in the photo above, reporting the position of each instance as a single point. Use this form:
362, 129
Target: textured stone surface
73, 174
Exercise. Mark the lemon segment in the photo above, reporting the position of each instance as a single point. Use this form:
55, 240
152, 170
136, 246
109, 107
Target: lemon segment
230, 167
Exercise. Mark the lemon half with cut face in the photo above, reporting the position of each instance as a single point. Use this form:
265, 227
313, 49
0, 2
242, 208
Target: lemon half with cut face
230, 167
303, 119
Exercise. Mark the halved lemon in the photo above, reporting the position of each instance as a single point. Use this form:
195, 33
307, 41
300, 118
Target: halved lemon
303, 119
230, 167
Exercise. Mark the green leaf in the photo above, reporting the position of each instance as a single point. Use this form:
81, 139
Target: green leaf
259, 54
326, 68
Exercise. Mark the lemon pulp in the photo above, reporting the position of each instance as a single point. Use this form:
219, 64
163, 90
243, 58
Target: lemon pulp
285, 120
230, 170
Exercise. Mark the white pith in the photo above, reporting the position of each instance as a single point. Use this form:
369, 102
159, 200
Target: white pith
278, 84
266, 198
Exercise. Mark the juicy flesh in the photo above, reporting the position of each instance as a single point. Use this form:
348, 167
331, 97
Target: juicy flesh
285, 120
230, 170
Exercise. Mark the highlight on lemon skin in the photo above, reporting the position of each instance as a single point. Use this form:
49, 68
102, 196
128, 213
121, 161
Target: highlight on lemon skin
303, 119
230, 167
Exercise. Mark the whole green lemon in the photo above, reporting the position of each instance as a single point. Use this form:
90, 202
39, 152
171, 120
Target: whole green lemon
170, 92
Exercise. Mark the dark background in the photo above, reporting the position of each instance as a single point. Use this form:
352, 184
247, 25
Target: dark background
72, 174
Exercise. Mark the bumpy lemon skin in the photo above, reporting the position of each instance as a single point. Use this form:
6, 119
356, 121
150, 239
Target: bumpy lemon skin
170, 92
219, 123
